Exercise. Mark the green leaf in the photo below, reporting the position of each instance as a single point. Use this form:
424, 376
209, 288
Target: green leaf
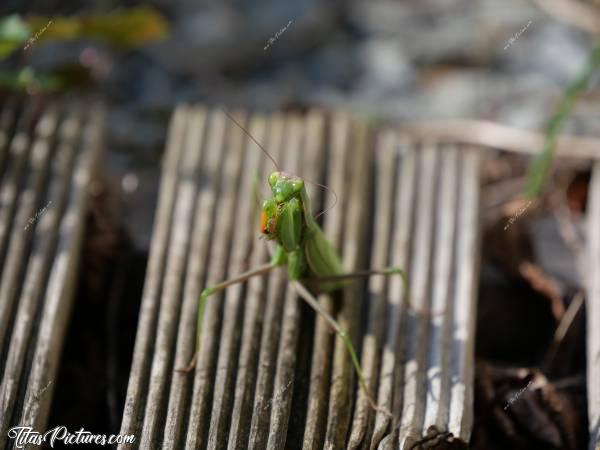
27, 79
13, 32
126, 28
540, 167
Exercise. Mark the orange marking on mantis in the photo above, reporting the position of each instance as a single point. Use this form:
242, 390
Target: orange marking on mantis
263, 222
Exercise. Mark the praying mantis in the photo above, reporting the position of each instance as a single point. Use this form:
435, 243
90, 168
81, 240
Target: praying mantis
301, 245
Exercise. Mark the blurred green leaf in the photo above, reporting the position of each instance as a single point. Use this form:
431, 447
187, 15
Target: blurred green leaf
27, 79
540, 167
128, 28
13, 32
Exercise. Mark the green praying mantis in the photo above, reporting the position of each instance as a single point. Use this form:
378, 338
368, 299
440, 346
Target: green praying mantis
301, 245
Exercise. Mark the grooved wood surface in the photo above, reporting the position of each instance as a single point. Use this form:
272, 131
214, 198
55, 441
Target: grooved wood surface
271, 374
47, 158
593, 309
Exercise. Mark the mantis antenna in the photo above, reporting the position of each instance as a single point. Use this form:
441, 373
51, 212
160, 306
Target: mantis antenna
322, 186
253, 140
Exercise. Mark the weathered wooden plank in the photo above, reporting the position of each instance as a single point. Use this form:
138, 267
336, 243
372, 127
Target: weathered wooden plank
206, 369
277, 360
142, 354
256, 291
320, 377
9, 192
229, 341
23, 205
8, 119
362, 425
311, 153
462, 366
265, 348
202, 207
38, 264
250, 386
438, 356
46, 185
414, 386
59, 296
593, 309
161, 368
353, 250
391, 392
419, 389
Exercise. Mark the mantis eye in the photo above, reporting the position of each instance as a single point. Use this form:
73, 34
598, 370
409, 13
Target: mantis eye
297, 185
273, 178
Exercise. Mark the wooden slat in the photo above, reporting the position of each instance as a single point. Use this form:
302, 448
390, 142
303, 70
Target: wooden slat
142, 354
204, 205
61, 283
320, 376
353, 252
44, 211
593, 309
255, 300
8, 118
21, 207
440, 325
391, 393
161, 368
241, 246
200, 415
9, 192
312, 153
415, 348
372, 342
270, 407
40, 261
462, 367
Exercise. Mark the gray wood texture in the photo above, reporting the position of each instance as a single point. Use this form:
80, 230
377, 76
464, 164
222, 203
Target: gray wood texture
593, 309
270, 374
44, 192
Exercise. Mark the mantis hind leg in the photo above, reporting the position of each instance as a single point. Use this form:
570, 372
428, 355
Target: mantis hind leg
265, 268
310, 299
313, 302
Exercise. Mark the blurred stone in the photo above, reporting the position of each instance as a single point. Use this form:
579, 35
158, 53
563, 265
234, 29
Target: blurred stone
385, 67
207, 39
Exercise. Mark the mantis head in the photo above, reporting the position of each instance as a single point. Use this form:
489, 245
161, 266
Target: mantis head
284, 186
282, 213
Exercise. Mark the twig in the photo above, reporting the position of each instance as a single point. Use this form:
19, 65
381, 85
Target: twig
494, 135
562, 329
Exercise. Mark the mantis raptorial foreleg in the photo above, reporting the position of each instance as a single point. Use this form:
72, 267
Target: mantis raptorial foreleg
265, 268
311, 300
